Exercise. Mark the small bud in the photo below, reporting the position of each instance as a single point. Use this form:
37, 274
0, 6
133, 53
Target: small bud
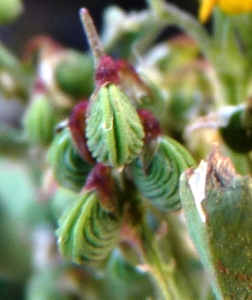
106, 72
160, 182
114, 130
88, 232
69, 169
40, 118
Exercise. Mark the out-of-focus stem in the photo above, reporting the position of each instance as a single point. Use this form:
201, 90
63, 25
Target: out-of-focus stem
170, 14
92, 35
160, 270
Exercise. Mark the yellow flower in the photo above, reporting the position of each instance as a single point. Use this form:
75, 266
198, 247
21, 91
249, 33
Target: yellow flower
229, 6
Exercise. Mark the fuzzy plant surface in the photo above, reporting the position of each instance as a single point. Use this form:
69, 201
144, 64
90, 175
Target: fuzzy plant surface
128, 175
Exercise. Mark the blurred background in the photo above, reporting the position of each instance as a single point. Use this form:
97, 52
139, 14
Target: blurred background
59, 18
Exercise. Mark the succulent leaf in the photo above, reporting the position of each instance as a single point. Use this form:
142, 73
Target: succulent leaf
40, 120
69, 169
160, 182
88, 232
114, 130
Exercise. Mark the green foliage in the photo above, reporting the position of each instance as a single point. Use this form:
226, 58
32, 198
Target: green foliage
69, 169
114, 131
160, 181
217, 201
88, 233
93, 208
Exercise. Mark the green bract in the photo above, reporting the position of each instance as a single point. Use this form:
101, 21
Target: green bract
40, 120
87, 233
160, 182
69, 169
114, 130
218, 207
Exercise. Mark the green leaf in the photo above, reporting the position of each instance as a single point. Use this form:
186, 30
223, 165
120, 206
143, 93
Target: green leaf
69, 169
87, 233
218, 207
114, 130
160, 182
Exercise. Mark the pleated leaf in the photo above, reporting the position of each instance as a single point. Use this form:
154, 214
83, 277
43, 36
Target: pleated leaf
160, 182
87, 233
114, 130
69, 169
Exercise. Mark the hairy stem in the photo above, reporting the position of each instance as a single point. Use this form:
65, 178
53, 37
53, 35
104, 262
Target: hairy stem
92, 35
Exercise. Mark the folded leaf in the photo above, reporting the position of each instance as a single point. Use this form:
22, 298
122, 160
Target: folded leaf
69, 168
114, 130
160, 182
88, 232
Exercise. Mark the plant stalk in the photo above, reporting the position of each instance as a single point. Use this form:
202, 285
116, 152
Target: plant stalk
159, 269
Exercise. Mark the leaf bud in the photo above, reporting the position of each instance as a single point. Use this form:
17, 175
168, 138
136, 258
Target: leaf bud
113, 128
159, 183
88, 232
69, 168
106, 72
